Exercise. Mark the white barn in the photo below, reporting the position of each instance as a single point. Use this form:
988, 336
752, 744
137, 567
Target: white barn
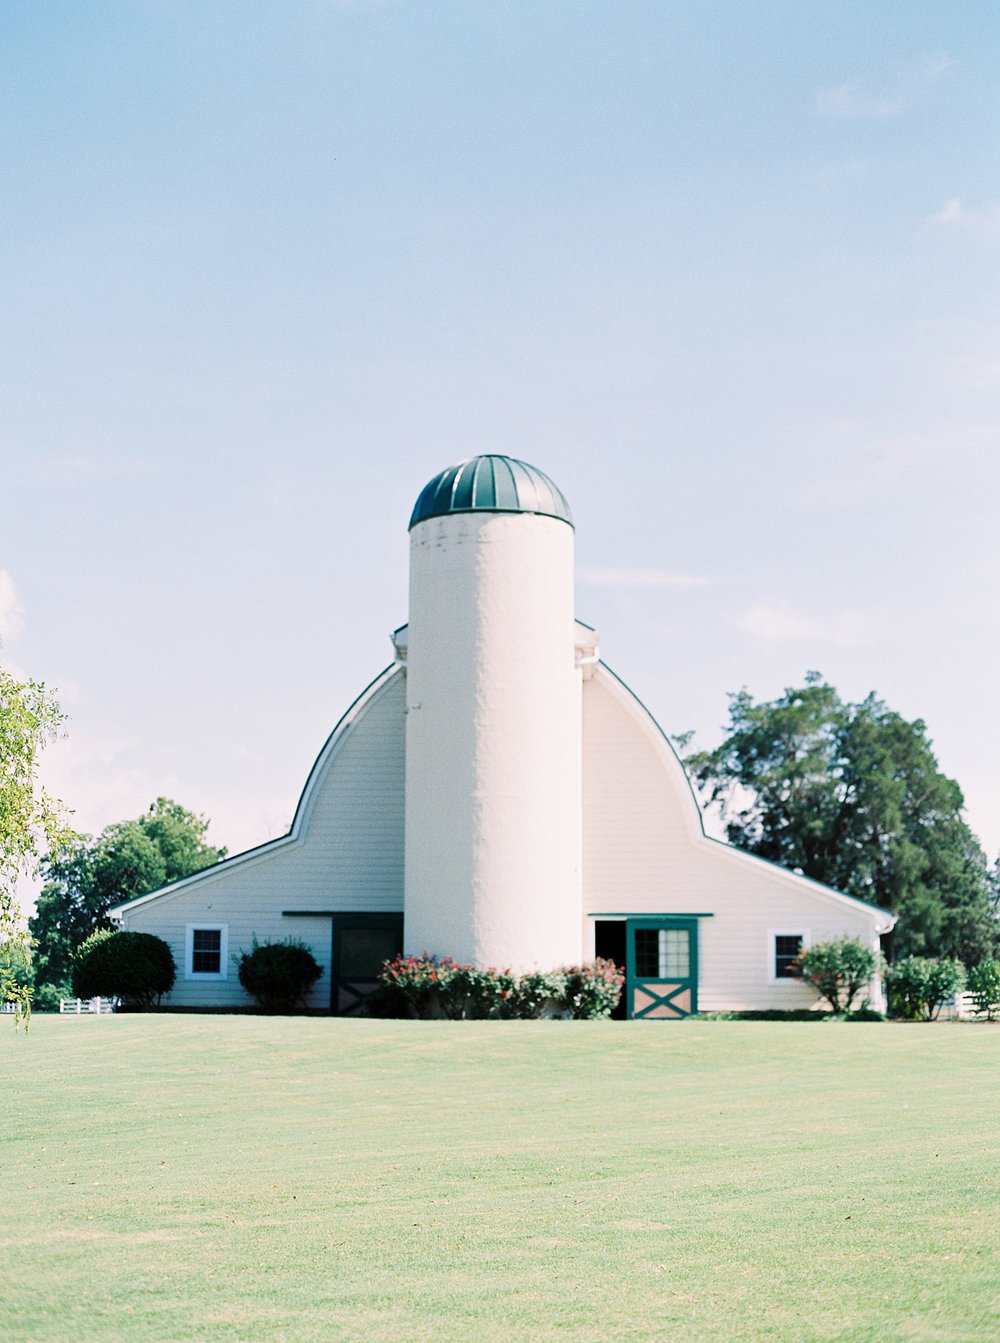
499, 795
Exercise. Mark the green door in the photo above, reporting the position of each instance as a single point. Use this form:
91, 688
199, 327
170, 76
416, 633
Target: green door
661, 968
361, 942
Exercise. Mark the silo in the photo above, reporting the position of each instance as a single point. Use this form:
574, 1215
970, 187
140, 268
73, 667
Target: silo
493, 725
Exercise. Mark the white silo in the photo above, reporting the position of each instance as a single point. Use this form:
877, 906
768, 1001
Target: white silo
493, 727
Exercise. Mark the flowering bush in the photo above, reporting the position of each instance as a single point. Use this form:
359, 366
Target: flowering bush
838, 970
425, 987
592, 990
534, 995
417, 981
469, 994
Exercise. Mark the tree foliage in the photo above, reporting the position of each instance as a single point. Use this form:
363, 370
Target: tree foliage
851, 795
30, 821
126, 860
136, 967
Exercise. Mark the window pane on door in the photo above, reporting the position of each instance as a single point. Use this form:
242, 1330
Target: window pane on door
362, 951
672, 950
662, 953
647, 957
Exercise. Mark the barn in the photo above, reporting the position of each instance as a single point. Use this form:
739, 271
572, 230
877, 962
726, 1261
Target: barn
497, 794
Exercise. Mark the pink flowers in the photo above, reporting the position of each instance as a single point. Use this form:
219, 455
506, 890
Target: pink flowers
429, 986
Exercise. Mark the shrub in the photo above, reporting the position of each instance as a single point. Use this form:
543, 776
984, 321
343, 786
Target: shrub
592, 990
430, 987
984, 986
279, 975
470, 994
864, 1013
534, 995
47, 997
136, 967
387, 1003
918, 985
838, 970
418, 979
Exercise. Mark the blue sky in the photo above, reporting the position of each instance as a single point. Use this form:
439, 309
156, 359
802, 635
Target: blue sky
726, 271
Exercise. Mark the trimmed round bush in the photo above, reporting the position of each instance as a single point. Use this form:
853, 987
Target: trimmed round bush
136, 967
279, 975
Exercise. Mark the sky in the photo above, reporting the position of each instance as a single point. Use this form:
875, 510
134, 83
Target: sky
726, 270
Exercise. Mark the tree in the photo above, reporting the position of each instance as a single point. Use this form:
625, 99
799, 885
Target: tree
30, 821
851, 795
127, 859
136, 967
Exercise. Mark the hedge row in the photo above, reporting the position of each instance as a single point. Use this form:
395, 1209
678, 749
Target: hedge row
426, 987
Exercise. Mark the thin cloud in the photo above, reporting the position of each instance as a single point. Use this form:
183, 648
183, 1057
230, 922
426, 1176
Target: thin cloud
11, 610
777, 623
956, 214
850, 102
640, 578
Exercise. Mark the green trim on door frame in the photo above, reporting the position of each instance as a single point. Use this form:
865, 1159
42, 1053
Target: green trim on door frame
645, 914
689, 983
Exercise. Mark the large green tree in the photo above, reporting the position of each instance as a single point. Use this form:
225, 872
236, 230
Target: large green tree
127, 859
30, 821
851, 795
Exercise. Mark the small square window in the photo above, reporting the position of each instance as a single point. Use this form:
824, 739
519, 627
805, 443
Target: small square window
206, 951
787, 948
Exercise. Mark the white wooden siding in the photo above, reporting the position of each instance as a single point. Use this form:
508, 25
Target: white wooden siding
644, 852
347, 856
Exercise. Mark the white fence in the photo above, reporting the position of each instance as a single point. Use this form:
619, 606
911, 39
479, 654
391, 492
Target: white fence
87, 1006
961, 1007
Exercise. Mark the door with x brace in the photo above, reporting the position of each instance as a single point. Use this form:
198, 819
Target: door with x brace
662, 968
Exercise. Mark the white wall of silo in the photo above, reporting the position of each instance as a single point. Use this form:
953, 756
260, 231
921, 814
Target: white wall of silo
493, 786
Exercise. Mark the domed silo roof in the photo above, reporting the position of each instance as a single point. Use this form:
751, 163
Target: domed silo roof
491, 484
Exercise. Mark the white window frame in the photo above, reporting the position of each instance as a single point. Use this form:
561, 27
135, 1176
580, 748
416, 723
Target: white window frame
772, 951
223, 970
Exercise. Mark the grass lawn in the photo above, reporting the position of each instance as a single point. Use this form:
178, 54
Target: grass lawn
168, 1178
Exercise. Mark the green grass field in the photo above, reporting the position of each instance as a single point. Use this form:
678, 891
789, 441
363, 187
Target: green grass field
240, 1178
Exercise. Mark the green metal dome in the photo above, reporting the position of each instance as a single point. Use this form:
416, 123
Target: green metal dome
491, 484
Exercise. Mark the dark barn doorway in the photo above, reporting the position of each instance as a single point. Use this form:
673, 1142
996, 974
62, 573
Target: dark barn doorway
361, 942
610, 945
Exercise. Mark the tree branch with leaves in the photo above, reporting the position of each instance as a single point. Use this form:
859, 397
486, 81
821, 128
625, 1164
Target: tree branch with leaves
32, 824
